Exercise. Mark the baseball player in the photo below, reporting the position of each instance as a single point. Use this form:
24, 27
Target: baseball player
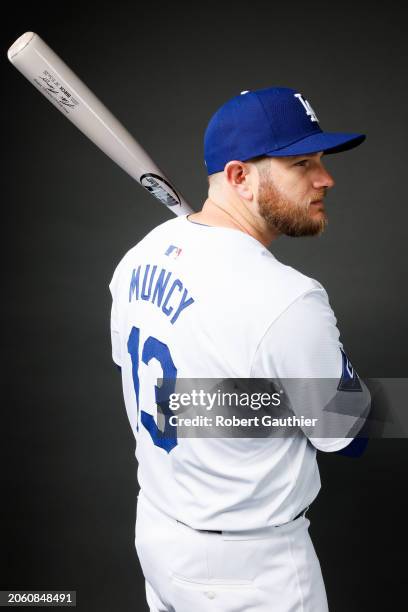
221, 521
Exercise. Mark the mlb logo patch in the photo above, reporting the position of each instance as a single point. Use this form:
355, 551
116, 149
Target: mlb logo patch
173, 251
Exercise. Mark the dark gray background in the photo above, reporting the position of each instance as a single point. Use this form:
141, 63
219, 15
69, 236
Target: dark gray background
68, 484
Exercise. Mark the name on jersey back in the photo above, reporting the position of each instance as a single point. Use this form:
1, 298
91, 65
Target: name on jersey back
161, 288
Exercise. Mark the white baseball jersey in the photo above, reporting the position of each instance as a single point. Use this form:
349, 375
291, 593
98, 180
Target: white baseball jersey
194, 301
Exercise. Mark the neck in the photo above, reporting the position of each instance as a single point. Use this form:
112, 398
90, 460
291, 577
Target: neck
235, 217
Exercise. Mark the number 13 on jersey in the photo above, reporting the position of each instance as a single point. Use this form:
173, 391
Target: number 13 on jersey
154, 349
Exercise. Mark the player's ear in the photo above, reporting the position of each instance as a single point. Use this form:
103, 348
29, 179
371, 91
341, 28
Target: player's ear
237, 175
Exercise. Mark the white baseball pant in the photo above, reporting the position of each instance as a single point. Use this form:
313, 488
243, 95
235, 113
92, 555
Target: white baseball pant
272, 570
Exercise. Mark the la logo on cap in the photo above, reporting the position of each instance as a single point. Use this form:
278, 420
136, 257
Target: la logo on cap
309, 110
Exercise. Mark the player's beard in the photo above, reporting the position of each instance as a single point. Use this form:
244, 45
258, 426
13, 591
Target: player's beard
286, 216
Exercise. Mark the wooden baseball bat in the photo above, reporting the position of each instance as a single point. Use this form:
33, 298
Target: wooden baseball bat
61, 86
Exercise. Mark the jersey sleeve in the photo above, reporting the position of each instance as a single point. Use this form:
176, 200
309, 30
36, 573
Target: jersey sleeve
114, 321
302, 350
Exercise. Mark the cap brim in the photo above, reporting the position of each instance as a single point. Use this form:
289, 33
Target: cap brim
322, 141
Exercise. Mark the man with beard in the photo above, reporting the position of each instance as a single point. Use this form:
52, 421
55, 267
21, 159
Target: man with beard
221, 519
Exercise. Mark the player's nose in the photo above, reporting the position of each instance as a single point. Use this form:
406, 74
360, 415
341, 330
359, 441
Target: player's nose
323, 179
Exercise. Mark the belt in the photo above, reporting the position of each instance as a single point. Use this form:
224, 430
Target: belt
303, 512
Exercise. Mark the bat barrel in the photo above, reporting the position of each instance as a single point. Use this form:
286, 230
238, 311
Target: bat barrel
19, 45
61, 86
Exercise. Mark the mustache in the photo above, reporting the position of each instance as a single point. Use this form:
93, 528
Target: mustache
318, 196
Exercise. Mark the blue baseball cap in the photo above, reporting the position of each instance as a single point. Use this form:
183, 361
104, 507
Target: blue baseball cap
276, 122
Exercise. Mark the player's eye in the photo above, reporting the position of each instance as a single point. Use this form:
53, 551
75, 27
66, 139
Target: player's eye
302, 162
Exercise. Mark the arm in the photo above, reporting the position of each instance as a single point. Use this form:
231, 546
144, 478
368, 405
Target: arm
303, 350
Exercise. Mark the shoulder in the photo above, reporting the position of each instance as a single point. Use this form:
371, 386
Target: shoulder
289, 283
149, 239
304, 340
151, 236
